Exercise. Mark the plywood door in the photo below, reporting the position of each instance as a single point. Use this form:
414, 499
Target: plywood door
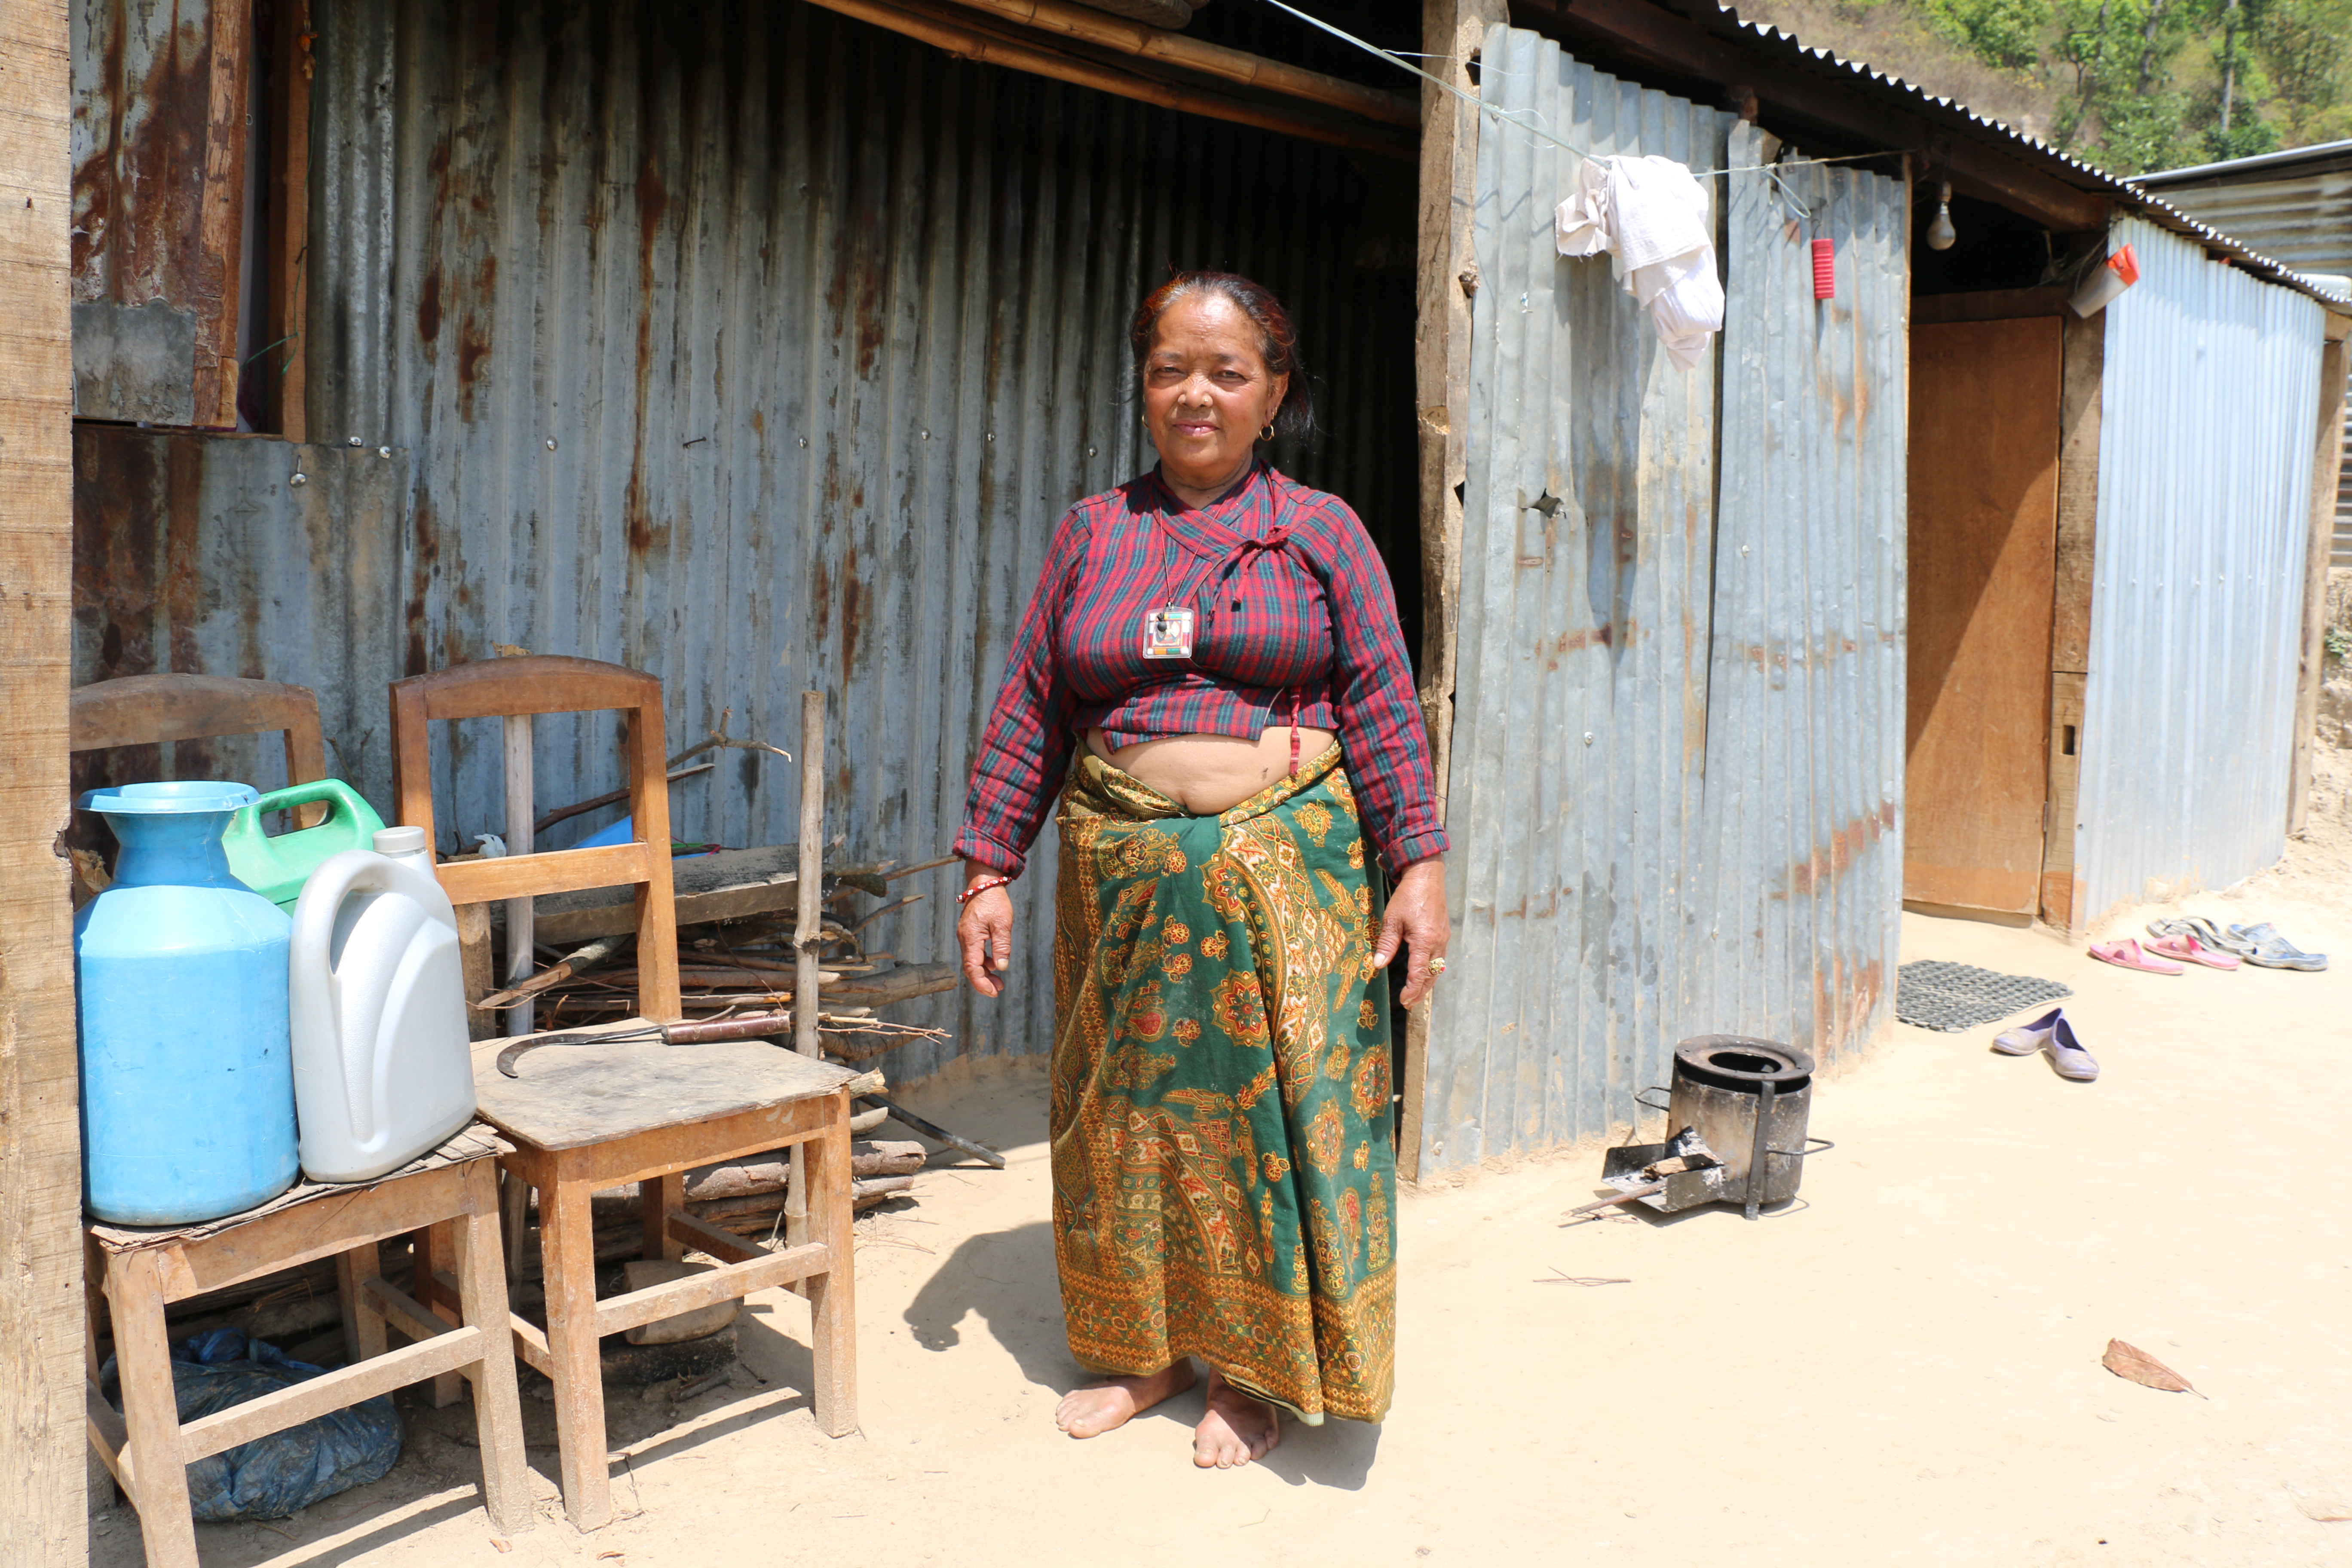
1983, 534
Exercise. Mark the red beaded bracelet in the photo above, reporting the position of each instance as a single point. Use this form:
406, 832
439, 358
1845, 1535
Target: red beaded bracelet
981, 887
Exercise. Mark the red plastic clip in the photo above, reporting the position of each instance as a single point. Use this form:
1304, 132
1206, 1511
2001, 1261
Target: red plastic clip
1824, 269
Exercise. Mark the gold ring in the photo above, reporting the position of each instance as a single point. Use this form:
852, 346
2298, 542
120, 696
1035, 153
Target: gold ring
1437, 966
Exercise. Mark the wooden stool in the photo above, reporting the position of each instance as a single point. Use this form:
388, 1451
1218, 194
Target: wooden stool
584, 1116
144, 1271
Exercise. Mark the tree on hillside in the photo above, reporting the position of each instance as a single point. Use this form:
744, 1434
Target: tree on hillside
2306, 46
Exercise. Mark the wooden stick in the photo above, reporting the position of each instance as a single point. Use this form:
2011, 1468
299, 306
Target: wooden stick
925, 866
576, 963
807, 927
610, 797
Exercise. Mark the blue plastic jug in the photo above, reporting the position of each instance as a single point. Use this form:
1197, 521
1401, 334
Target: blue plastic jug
187, 1085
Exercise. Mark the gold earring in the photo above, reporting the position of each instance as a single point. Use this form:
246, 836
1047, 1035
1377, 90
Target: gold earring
1266, 433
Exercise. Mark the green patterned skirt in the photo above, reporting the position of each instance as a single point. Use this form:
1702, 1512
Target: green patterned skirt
1224, 1175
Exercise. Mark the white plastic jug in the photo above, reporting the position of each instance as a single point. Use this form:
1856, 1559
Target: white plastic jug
382, 1068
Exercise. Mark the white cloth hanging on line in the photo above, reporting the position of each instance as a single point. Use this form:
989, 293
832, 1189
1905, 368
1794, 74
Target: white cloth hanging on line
1651, 215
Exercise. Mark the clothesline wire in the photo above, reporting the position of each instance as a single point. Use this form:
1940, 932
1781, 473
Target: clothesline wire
1482, 106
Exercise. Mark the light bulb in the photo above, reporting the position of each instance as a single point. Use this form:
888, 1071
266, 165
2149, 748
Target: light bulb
1940, 233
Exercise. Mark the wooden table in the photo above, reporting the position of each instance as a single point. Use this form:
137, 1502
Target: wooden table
144, 1269
587, 1116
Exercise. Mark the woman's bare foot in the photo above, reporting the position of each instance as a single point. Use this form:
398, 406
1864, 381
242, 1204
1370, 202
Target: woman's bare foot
1099, 1408
1237, 1430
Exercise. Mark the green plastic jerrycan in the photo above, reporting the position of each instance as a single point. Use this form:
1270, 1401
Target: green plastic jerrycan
276, 868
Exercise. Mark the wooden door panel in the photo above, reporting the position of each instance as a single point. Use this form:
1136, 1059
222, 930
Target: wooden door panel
1983, 536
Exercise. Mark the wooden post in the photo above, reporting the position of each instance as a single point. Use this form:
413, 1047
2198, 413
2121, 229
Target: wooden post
1452, 31
520, 815
42, 1509
2326, 463
2082, 380
808, 920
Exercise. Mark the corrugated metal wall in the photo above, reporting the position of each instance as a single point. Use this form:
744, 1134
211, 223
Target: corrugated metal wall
762, 349
2196, 593
1805, 732
201, 553
1676, 755
2306, 222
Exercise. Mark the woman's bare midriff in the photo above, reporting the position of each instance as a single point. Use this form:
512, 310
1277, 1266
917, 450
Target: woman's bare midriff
1209, 773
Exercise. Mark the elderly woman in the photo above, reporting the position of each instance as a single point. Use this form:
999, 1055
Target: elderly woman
1211, 675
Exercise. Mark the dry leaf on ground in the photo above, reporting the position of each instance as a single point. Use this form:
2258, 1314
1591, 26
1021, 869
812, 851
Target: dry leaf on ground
2131, 1362
2331, 1507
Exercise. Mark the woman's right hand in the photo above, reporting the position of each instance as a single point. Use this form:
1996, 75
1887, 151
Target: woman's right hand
984, 931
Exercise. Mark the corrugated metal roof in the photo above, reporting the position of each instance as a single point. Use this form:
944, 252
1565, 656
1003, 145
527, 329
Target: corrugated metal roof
1678, 721
1785, 48
2318, 156
2197, 592
762, 349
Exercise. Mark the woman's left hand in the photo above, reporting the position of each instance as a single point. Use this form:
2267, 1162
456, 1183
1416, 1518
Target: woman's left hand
1416, 919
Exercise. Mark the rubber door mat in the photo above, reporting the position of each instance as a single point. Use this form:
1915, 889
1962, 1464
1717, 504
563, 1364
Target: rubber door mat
1933, 995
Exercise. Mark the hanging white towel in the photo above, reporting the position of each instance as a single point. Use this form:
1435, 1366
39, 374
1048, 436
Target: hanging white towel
1651, 215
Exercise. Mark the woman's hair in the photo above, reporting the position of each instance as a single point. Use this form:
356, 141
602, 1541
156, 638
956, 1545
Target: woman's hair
1278, 340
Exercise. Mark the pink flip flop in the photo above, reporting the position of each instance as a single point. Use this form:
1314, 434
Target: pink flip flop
2188, 950
2126, 954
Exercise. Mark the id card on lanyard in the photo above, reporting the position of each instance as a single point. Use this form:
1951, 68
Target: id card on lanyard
1167, 632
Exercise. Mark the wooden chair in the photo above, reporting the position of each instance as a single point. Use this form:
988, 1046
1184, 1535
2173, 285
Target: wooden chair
137, 1273
151, 709
449, 1195
584, 1116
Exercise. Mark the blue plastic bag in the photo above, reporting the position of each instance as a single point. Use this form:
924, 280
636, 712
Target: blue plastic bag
272, 1477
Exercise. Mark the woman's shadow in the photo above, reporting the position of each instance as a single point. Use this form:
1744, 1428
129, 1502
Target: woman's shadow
1007, 1278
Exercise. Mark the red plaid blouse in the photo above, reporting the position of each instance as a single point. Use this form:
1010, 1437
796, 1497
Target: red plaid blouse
1294, 622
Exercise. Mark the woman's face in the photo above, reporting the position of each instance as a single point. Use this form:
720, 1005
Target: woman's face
1207, 392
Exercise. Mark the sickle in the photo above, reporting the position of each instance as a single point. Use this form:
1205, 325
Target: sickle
755, 1027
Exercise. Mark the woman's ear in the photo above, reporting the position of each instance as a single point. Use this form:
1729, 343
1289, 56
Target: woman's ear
1281, 390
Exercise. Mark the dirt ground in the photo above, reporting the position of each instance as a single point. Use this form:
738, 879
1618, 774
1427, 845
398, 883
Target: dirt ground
1901, 1368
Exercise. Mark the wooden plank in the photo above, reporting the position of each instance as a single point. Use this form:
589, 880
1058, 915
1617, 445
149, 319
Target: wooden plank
575, 1095
1990, 305
474, 959
531, 1344
724, 1245
657, 1196
725, 1283
285, 382
2083, 349
2061, 879
1131, 37
336, 1223
1452, 33
43, 1506
338, 1390
497, 1406
363, 1328
436, 1251
110, 1438
1983, 526
403, 1312
2326, 476
220, 222
832, 1294
557, 871
1014, 49
568, 1255
142, 1355
2082, 380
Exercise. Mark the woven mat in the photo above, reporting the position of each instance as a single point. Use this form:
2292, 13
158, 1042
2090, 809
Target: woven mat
1932, 994
472, 1142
